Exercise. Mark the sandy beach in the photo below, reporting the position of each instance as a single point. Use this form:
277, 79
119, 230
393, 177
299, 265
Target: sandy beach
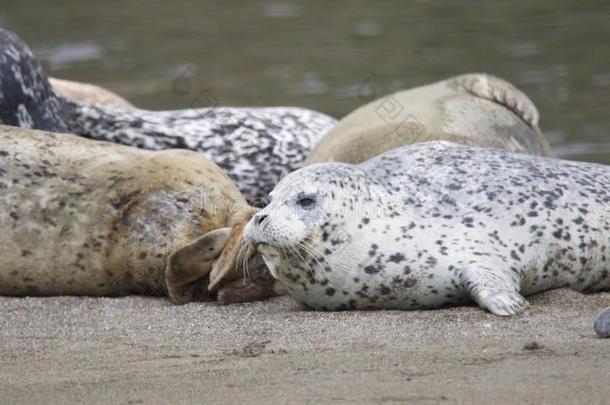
145, 350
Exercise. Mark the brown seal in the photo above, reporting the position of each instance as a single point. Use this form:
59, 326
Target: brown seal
81, 217
88, 93
472, 109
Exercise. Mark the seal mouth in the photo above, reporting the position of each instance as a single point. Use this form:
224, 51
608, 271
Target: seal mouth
261, 247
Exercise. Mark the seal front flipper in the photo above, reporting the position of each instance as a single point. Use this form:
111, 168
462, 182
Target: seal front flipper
257, 285
188, 267
229, 264
602, 324
240, 273
236, 257
492, 291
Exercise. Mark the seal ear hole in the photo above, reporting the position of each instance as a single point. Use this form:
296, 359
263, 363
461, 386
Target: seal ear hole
188, 267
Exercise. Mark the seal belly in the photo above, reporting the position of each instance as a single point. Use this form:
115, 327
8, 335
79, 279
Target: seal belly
575, 254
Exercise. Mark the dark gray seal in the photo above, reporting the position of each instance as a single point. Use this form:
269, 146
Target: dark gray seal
435, 224
26, 98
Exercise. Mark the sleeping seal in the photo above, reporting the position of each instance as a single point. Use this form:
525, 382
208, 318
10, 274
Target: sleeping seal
256, 147
81, 217
472, 109
435, 224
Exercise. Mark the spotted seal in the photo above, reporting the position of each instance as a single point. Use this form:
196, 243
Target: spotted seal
254, 146
435, 224
473, 109
81, 217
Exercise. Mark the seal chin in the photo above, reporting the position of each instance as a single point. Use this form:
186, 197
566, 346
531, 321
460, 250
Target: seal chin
268, 251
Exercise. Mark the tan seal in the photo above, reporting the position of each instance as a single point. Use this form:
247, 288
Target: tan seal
472, 109
81, 217
88, 93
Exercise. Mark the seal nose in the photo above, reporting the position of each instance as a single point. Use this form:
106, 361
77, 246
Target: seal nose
260, 218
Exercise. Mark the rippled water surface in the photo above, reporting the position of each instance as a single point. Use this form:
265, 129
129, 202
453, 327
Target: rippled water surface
332, 55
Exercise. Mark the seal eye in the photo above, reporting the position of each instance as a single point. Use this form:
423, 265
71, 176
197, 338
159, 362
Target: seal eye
306, 203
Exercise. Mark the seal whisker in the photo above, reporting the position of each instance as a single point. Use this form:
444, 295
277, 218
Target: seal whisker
243, 255
305, 263
311, 251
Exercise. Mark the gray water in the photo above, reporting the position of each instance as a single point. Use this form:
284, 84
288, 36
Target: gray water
331, 56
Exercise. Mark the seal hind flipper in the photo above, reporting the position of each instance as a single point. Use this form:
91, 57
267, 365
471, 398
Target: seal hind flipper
602, 324
494, 89
190, 265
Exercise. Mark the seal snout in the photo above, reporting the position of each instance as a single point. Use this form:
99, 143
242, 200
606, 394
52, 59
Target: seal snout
251, 233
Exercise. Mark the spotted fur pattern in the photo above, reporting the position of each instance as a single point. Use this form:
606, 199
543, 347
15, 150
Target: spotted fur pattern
437, 224
26, 98
255, 146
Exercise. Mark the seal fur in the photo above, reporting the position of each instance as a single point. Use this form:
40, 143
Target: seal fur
26, 98
435, 224
473, 109
88, 93
81, 217
256, 147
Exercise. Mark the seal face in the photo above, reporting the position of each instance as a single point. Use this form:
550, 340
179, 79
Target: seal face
80, 217
435, 224
256, 147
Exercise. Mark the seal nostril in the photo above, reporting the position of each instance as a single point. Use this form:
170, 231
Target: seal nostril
260, 219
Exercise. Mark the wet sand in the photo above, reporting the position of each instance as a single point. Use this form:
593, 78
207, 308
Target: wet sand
146, 350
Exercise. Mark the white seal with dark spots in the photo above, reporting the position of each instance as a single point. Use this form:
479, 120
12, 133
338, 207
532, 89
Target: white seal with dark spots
435, 224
